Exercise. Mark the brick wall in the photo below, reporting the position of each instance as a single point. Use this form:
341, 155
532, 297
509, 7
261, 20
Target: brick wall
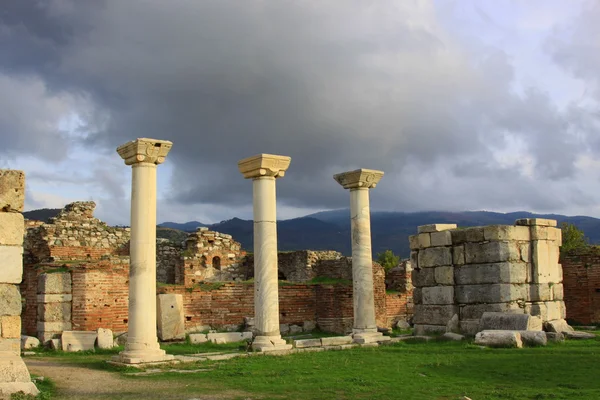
581, 281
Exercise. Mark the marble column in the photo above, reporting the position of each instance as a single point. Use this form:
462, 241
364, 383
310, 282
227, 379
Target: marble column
359, 182
263, 169
142, 342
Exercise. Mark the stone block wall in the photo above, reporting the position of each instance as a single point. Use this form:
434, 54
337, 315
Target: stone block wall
581, 280
54, 304
466, 272
304, 265
168, 260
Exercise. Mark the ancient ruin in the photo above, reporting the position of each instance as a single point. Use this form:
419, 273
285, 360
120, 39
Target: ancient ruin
460, 274
359, 182
581, 281
14, 376
263, 169
142, 341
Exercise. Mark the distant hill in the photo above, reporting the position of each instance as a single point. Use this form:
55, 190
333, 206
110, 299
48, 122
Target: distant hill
186, 226
42, 214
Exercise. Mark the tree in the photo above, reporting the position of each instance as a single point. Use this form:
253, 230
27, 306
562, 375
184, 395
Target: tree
388, 260
572, 238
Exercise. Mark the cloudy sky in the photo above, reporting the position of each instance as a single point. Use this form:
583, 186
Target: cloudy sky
465, 104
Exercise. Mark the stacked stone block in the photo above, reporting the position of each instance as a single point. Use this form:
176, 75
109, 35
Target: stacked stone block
14, 376
467, 272
54, 301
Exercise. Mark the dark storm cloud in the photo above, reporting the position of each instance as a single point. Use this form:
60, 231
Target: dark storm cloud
336, 85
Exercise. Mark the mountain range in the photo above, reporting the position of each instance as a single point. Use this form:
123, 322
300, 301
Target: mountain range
330, 230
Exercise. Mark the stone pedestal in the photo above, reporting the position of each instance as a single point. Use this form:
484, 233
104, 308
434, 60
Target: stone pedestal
142, 343
263, 169
359, 182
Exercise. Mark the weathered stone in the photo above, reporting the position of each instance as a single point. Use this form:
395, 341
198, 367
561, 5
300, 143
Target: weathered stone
424, 240
14, 376
434, 314
55, 344
54, 283
435, 257
453, 325
46, 337
196, 338
533, 338
472, 234
444, 275
469, 327
502, 272
423, 277
443, 238
54, 312
10, 345
336, 340
435, 228
11, 263
12, 190
438, 295
402, 325
579, 335
29, 342
54, 298
540, 292
10, 325
491, 252
458, 255
558, 291
228, 337
414, 259
555, 337
53, 326
418, 295
500, 293
294, 329
425, 329
499, 339
558, 326
309, 326
307, 343
475, 311
284, 329
498, 321
535, 221
170, 319
546, 268
105, 338
451, 336
10, 299
413, 242
12, 229
78, 340
506, 232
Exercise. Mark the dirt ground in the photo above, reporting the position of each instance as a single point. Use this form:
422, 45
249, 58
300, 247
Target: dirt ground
79, 382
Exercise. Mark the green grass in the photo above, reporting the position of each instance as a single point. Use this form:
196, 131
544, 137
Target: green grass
433, 370
207, 347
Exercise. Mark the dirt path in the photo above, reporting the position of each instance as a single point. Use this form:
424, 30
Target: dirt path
79, 382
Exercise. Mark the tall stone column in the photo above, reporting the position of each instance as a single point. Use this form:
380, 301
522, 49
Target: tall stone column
263, 169
359, 182
142, 342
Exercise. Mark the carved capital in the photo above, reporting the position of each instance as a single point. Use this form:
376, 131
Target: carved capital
360, 178
144, 150
264, 165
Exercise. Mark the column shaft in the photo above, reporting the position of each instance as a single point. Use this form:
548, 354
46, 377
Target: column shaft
362, 262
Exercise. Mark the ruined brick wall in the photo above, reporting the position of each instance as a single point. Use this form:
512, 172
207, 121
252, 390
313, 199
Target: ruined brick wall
74, 234
399, 299
168, 260
466, 272
299, 266
210, 256
581, 280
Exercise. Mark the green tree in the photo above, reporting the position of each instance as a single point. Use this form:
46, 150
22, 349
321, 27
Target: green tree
572, 238
388, 260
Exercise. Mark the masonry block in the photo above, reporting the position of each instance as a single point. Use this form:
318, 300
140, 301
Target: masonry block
435, 257
54, 312
434, 314
53, 326
426, 329
11, 263
11, 326
535, 221
491, 252
10, 299
54, 283
170, 318
473, 234
423, 277
497, 293
506, 232
503, 272
54, 298
505, 321
438, 295
547, 311
475, 311
12, 190
12, 228
418, 295
525, 249
413, 242
435, 228
540, 292
78, 340
443, 238
558, 292
444, 275
546, 268
458, 255
424, 240
10, 345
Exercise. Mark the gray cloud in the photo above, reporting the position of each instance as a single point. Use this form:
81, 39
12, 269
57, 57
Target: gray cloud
336, 85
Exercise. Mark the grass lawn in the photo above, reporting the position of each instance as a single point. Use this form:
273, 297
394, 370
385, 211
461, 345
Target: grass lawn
433, 370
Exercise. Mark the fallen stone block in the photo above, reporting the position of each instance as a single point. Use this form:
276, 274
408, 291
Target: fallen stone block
29, 342
196, 338
534, 338
450, 336
55, 344
225, 337
307, 343
555, 337
336, 340
557, 325
579, 335
78, 340
505, 322
499, 339
402, 325
423, 329
105, 338
170, 319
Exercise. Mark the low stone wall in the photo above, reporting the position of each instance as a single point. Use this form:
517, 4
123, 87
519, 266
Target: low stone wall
304, 265
581, 280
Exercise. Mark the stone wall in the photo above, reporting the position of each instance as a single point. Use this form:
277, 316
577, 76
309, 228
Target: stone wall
466, 272
304, 265
168, 260
581, 280
399, 297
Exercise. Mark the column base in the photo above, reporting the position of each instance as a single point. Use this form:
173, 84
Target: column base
141, 357
270, 343
368, 336
7, 389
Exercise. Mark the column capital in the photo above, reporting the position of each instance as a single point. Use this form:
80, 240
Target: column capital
144, 150
264, 165
360, 178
